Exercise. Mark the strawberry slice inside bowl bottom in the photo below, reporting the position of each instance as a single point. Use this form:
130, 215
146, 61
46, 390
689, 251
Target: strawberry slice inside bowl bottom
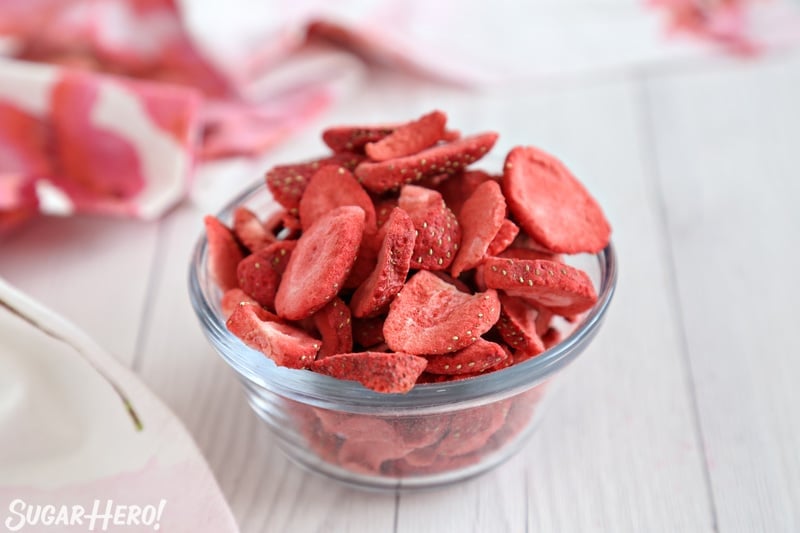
438, 433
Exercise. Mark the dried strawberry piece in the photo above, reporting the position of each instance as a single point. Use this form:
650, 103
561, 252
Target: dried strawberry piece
530, 254
443, 158
481, 217
471, 428
438, 230
368, 456
477, 357
250, 231
394, 259
505, 236
334, 326
224, 253
517, 326
288, 182
354, 138
409, 138
232, 299
551, 205
259, 274
551, 337
459, 187
447, 278
561, 288
320, 263
356, 427
381, 372
283, 226
331, 187
368, 332
430, 316
383, 209
284, 344
421, 431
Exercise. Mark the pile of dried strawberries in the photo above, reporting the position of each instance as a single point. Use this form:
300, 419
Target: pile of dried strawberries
393, 264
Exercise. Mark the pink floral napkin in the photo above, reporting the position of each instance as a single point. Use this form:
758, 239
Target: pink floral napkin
106, 106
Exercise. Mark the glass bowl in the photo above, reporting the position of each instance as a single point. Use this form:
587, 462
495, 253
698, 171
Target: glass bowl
434, 435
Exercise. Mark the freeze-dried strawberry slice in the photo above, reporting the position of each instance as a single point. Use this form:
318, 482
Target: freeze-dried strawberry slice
563, 289
531, 255
381, 372
250, 231
409, 138
283, 226
505, 236
383, 209
430, 316
477, 357
287, 182
394, 259
259, 274
334, 325
551, 337
471, 428
481, 218
551, 205
224, 253
438, 230
232, 299
459, 187
353, 138
320, 263
368, 332
284, 344
517, 326
444, 158
367, 456
331, 187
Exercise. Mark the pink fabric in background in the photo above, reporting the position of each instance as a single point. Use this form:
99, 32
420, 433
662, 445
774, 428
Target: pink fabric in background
105, 105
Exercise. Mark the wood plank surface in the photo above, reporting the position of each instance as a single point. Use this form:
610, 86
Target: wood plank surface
727, 144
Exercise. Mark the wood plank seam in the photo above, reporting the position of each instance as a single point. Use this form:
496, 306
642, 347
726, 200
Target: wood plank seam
651, 165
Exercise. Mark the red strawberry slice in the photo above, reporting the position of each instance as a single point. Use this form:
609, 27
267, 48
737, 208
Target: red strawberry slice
288, 182
320, 263
505, 236
368, 332
259, 274
250, 231
529, 254
518, 326
394, 259
561, 288
444, 158
355, 427
481, 218
232, 299
430, 316
331, 187
438, 230
284, 344
383, 209
460, 186
368, 456
224, 253
409, 138
354, 138
334, 325
551, 205
471, 428
477, 357
551, 337
381, 372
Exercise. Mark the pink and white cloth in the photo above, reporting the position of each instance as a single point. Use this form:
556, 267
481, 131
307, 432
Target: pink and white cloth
106, 106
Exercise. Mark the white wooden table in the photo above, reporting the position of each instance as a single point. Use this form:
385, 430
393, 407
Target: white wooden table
684, 415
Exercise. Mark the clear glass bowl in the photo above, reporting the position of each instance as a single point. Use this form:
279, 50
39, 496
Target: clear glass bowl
434, 435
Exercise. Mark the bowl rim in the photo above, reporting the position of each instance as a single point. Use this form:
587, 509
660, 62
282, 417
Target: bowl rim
331, 393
